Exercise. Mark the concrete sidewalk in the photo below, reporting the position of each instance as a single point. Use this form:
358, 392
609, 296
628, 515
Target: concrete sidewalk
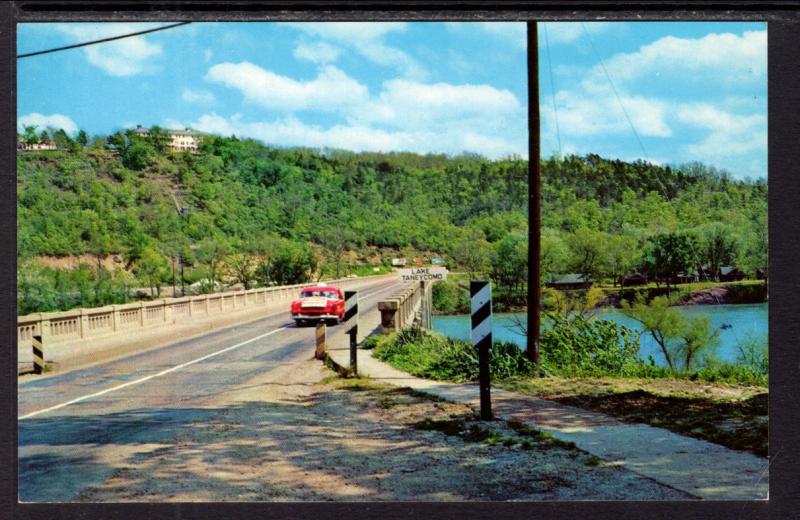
697, 467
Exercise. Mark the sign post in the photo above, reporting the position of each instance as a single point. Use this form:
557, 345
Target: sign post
481, 310
351, 326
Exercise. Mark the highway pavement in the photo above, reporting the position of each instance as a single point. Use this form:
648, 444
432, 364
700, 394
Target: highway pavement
74, 426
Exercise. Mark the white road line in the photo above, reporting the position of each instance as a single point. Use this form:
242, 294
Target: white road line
142, 380
176, 367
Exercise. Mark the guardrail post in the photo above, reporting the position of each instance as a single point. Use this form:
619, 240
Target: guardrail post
38, 354
141, 314
115, 318
389, 311
83, 323
322, 343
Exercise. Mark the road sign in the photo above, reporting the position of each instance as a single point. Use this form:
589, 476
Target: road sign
351, 326
350, 311
481, 310
423, 274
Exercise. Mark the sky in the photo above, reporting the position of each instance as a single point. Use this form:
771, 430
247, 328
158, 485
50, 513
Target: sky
669, 93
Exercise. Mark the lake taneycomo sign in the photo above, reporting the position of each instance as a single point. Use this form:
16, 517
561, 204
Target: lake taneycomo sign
423, 274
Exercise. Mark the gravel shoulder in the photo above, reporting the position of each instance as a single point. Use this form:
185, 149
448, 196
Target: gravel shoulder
303, 434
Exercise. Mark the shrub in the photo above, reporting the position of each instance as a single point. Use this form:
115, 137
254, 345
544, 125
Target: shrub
582, 346
450, 298
431, 355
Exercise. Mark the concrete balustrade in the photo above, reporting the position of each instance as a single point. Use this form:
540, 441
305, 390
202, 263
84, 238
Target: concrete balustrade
72, 330
403, 308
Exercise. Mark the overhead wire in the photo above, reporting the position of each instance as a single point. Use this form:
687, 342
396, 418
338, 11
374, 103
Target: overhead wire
641, 145
552, 86
102, 40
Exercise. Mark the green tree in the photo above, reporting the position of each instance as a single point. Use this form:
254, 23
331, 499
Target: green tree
473, 252
212, 253
681, 339
510, 264
668, 255
153, 267
293, 263
138, 156
588, 252
158, 138
622, 254
717, 247
554, 256
30, 136
82, 138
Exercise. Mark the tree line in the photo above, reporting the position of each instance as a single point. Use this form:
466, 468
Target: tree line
261, 215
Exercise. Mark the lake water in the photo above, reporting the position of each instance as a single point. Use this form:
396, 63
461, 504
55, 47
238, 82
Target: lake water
745, 320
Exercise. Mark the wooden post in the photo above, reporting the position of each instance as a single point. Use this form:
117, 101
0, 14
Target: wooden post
534, 200
322, 345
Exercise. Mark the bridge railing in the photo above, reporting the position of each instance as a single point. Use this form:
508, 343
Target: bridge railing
409, 306
78, 324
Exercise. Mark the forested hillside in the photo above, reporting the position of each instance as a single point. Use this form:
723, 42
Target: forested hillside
258, 214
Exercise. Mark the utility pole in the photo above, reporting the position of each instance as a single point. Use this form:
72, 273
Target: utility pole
534, 198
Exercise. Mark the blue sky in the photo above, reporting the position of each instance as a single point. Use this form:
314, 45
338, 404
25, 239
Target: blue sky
693, 91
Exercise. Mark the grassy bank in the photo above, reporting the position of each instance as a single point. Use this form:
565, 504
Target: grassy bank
596, 368
733, 416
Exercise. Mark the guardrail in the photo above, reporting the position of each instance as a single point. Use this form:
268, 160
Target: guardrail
409, 306
78, 324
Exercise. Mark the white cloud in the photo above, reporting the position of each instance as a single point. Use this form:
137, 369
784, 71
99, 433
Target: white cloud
581, 114
367, 38
413, 105
562, 33
197, 96
725, 57
404, 115
670, 76
126, 57
731, 135
332, 90
290, 131
42, 122
319, 52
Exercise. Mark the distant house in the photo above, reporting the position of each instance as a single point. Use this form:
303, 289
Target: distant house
186, 140
692, 277
33, 147
398, 262
568, 282
729, 273
632, 279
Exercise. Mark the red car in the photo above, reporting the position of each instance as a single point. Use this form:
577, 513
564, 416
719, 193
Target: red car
318, 303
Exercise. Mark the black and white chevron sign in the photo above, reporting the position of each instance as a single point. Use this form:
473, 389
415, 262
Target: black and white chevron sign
481, 309
350, 311
480, 293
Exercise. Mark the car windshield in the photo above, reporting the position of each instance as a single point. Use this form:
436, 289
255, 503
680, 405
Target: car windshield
319, 294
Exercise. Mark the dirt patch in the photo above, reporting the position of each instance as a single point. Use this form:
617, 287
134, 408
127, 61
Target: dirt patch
307, 435
111, 262
733, 416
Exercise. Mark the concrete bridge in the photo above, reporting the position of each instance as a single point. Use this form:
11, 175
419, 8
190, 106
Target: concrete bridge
167, 358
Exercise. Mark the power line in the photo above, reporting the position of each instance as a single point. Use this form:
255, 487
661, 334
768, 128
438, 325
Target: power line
552, 85
103, 40
616, 94
641, 145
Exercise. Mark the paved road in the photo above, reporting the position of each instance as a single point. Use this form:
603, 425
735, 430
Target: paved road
67, 422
